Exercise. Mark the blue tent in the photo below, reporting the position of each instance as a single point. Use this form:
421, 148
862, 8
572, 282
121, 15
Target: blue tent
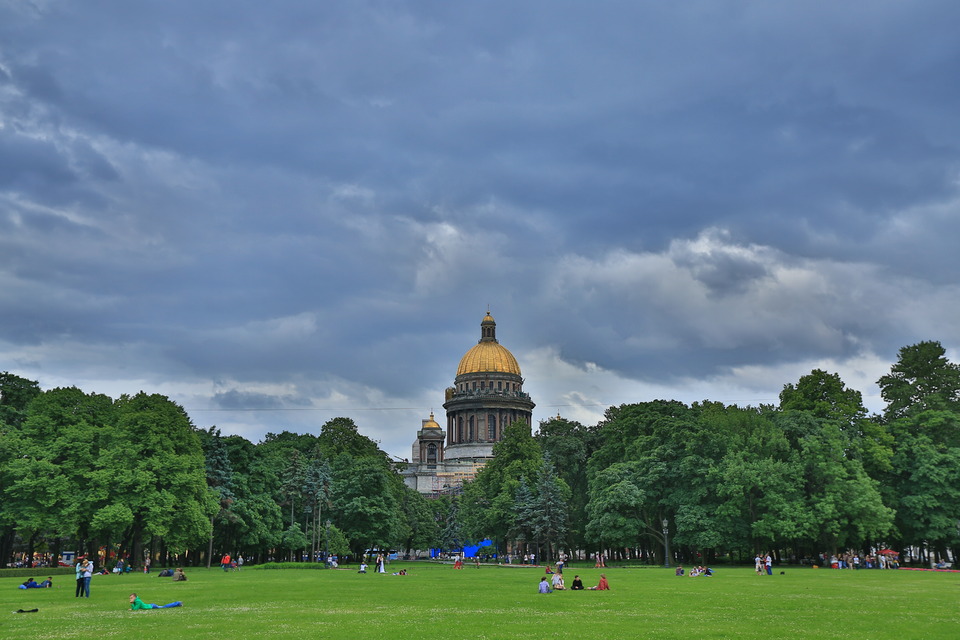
468, 551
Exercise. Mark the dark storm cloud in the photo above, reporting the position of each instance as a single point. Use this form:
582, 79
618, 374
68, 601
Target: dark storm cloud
269, 206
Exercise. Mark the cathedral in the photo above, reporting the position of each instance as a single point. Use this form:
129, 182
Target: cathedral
486, 396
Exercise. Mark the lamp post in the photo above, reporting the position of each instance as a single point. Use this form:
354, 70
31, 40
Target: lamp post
666, 544
326, 546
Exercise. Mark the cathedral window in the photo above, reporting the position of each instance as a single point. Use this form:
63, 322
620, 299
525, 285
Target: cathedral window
491, 427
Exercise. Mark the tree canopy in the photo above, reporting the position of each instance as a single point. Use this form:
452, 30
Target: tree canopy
133, 476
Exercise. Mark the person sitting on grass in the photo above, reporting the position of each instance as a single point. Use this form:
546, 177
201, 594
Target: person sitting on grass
179, 575
557, 581
577, 584
544, 585
602, 585
48, 583
136, 604
363, 567
679, 571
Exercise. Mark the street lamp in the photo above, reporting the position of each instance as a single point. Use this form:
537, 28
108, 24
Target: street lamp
666, 544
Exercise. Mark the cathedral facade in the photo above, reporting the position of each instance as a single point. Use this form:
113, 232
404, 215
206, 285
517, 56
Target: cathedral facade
486, 396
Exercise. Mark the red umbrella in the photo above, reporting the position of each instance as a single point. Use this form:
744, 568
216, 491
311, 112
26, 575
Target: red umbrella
888, 552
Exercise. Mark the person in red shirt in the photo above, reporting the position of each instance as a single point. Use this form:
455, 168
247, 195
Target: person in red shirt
602, 586
225, 562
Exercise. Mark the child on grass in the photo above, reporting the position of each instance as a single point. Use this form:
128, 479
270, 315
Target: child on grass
137, 604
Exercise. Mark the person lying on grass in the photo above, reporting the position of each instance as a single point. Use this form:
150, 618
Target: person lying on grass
136, 603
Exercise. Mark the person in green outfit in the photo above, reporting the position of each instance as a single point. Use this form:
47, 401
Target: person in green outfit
136, 604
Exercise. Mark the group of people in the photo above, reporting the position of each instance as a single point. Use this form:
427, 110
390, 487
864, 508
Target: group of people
230, 564
763, 563
852, 560
577, 585
381, 565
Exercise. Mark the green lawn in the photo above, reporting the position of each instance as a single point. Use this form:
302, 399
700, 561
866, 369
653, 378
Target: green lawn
434, 601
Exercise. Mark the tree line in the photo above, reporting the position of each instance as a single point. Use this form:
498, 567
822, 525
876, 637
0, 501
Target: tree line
133, 476
814, 474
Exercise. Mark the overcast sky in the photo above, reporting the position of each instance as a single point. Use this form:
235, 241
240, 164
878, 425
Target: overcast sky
276, 213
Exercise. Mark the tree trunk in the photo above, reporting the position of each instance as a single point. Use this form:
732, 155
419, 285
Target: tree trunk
6, 546
210, 545
55, 548
31, 545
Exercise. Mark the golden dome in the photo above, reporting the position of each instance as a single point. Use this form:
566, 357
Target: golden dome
488, 357
431, 423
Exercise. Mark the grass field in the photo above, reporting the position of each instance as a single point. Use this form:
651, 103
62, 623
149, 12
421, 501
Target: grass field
434, 601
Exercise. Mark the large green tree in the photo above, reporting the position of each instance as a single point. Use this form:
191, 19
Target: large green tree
364, 502
921, 379
922, 392
839, 447
52, 483
256, 520
487, 503
153, 477
418, 528
616, 507
569, 445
